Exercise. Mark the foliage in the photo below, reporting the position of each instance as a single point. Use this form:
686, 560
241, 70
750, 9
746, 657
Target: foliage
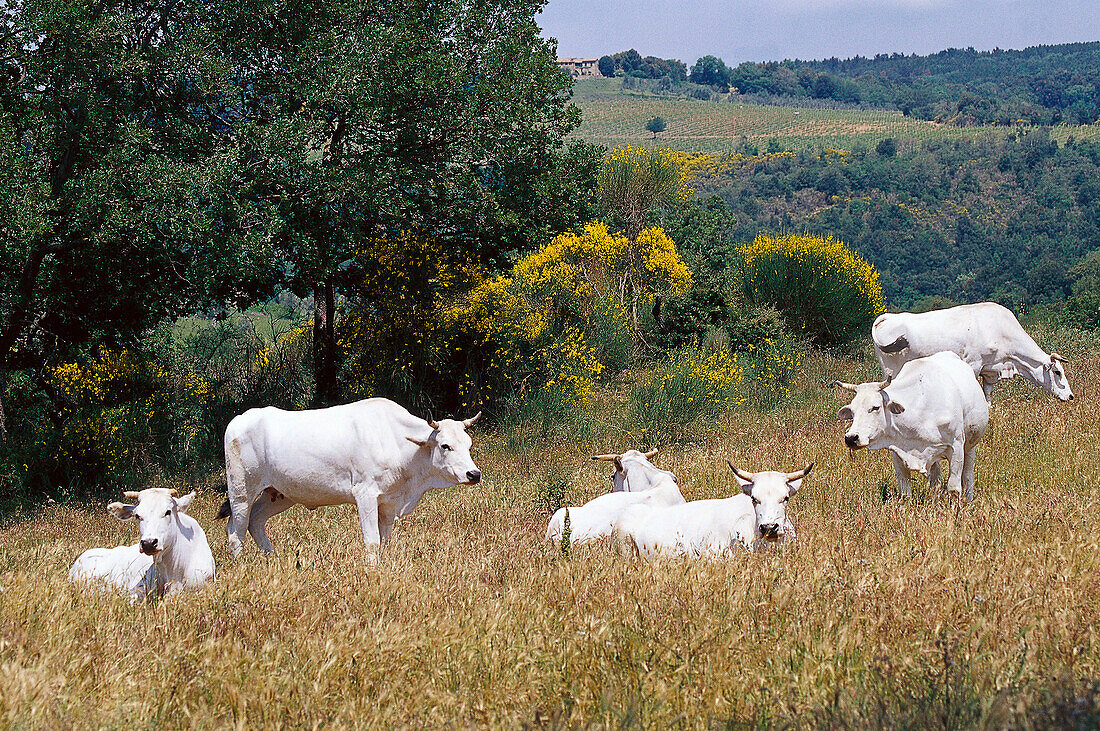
562, 315
633, 181
822, 289
656, 126
691, 383
710, 71
1083, 305
632, 64
606, 64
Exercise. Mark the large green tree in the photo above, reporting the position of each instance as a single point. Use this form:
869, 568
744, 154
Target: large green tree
359, 120
110, 156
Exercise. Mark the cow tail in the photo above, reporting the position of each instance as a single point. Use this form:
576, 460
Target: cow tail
224, 511
895, 347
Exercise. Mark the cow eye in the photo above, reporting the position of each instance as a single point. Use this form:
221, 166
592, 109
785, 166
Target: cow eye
167, 512
755, 501
445, 447
873, 408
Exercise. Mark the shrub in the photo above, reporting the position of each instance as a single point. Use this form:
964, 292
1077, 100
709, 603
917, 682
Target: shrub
691, 383
823, 289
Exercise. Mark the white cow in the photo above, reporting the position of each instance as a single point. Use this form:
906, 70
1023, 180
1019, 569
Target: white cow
636, 481
986, 335
713, 528
371, 453
934, 409
172, 553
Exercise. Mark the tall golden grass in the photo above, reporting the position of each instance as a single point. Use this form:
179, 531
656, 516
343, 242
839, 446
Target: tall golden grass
903, 613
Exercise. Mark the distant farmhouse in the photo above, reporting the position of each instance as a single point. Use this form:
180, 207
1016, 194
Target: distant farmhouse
581, 68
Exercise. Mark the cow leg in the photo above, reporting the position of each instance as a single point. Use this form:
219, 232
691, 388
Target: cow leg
968, 471
955, 467
366, 502
386, 519
902, 473
240, 501
270, 502
935, 473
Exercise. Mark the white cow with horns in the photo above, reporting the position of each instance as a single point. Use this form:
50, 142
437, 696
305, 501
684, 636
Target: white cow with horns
371, 453
636, 481
172, 553
987, 336
753, 518
934, 409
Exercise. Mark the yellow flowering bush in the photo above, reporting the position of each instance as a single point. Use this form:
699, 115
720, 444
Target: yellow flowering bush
690, 383
563, 314
822, 288
633, 181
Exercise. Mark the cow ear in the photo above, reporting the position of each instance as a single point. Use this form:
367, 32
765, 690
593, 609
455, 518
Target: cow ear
895, 407
122, 511
183, 503
794, 485
845, 414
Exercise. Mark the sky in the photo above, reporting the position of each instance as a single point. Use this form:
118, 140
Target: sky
762, 30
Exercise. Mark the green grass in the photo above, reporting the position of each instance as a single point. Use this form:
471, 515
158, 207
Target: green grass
614, 117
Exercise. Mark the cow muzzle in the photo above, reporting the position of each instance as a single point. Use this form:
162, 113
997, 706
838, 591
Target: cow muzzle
150, 546
770, 531
473, 477
851, 441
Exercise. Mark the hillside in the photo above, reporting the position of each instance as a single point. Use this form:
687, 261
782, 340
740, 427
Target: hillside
613, 116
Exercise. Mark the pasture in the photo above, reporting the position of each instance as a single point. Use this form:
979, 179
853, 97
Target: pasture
614, 118
904, 613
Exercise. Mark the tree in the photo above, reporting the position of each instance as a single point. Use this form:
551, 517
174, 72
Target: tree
709, 71
607, 66
363, 121
656, 126
111, 159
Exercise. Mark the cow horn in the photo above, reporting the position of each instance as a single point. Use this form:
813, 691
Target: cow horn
845, 386
131, 495
1060, 359
605, 457
883, 384
792, 476
432, 422
651, 453
174, 492
746, 476
472, 420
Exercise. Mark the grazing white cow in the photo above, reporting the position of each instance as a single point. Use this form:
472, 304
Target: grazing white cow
986, 335
934, 409
636, 481
172, 553
712, 528
371, 453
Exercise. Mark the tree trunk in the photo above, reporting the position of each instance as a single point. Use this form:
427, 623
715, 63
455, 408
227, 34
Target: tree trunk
324, 343
3, 392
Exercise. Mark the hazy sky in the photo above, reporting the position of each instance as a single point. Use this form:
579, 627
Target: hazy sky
757, 30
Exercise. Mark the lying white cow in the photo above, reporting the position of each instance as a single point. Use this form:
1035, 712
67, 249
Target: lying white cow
934, 409
636, 481
371, 453
713, 528
986, 335
171, 554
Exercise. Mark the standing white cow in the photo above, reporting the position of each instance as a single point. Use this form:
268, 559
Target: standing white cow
986, 335
713, 528
171, 554
371, 453
636, 481
934, 409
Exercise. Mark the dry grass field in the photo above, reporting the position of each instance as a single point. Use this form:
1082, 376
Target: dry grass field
908, 613
614, 118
